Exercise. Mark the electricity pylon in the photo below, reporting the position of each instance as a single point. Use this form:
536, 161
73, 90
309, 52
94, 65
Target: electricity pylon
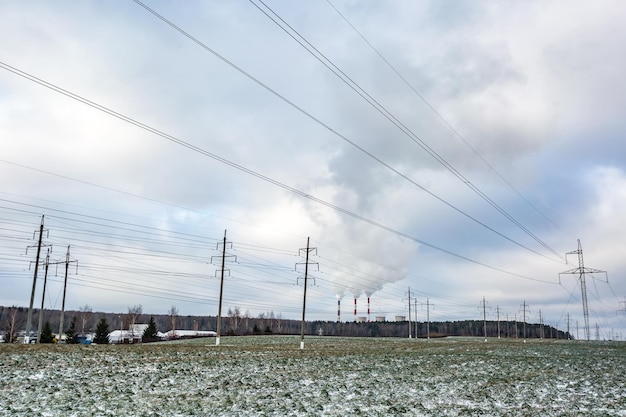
428, 304
581, 271
67, 264
222, 270
409, 295
484, 307
32, 293
308, 250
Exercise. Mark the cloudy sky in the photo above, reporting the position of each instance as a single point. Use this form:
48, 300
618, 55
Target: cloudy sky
456, 148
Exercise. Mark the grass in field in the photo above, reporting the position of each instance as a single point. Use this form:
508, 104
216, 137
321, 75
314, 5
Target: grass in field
332, 376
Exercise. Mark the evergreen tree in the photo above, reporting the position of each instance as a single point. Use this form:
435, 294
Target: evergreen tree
150, 334
102, 332
70, 334
46, 335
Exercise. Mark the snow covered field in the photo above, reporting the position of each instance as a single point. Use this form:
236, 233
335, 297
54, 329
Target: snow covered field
257, 376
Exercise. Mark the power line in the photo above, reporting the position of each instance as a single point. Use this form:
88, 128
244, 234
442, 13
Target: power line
254, 173
401, 126
361, 149
440, 116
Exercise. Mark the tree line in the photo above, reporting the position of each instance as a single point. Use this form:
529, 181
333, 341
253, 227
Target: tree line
238, 323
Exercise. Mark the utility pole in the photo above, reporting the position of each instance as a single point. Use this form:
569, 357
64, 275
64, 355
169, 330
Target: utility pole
581, 271
29, 318
409, 299
43, 296
540, 325
306, 251
525, 305
428, 304
485, 318
569, 337
415, 308
222, 270
498, 316
508, 327
67, 264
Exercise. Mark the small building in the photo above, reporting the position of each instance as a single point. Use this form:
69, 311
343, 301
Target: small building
185, 334
400, 318
132, 335
381, 318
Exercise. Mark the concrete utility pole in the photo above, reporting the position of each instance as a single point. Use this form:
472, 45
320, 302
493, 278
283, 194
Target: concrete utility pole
484, 318
524, 335
540, 325
29, 318
498, 316
222, 270
581, 271
306, 262
67, 265
428, 304
43, 296
409, 298
415, 309
508, 327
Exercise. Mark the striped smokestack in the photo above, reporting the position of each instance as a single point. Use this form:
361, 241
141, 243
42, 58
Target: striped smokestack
338, 310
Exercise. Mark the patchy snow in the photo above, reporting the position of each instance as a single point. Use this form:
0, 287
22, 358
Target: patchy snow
270, 376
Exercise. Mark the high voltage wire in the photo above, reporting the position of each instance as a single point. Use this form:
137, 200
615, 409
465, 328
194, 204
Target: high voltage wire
125, 286
440, 116
225, 161
353, 144
408, 132
361, 274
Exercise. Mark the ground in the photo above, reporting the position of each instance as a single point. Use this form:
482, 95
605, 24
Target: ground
270, 375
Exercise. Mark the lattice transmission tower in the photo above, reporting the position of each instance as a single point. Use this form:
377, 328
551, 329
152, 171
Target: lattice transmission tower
581, 271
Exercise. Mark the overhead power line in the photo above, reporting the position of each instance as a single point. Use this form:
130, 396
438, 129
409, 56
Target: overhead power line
251, 172
440, 117
378, 107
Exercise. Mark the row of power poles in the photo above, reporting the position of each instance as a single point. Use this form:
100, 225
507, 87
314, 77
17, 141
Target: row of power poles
222, 271
46, 265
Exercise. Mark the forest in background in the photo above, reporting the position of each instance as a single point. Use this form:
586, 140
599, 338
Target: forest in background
235, 323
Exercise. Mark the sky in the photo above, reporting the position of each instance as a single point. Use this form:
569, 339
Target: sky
432, 153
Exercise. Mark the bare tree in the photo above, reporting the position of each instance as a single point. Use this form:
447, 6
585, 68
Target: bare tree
85, 318
134, 313
278, 322
246, 321
12, 324
234, 316
173, 313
